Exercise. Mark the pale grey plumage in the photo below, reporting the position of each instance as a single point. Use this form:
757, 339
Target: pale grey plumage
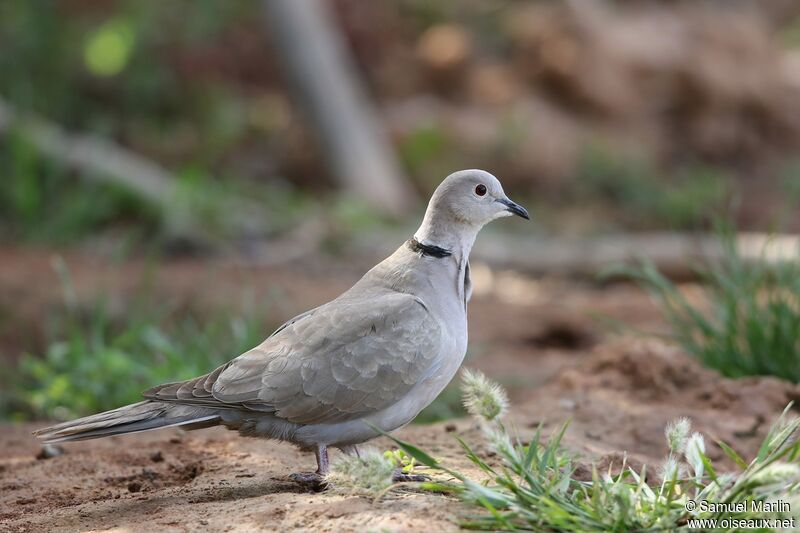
372, 358
382, 343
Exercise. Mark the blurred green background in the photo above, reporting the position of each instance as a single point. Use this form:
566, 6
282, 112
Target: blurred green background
602, 117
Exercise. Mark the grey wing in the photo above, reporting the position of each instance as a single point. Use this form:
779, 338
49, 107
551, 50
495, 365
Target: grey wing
344, 360
198, 390
288, 323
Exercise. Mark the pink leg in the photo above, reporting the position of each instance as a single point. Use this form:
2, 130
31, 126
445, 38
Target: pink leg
322, 459
314, 480
352, 450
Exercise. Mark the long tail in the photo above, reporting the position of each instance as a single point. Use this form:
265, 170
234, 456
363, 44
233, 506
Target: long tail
132, 418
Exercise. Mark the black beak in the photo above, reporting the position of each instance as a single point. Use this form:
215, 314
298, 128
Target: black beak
515, 208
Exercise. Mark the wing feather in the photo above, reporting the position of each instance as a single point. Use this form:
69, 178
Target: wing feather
340, 361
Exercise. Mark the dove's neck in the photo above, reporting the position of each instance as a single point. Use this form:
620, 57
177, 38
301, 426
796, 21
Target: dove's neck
455, 237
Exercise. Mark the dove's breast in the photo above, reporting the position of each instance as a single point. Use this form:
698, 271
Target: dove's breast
449, 359
440, 283
435, 283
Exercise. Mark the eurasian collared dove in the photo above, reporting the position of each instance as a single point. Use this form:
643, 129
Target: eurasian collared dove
337, 375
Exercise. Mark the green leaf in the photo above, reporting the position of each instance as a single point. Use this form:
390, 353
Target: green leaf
708, 466
410, 449
732, 455
433, 486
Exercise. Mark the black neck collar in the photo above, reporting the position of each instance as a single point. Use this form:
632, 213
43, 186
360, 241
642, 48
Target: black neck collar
428, 249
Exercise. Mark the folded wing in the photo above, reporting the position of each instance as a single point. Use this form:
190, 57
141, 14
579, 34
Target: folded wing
341, 361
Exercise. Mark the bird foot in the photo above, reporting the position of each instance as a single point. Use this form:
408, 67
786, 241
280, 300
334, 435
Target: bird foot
401, 477
309, 480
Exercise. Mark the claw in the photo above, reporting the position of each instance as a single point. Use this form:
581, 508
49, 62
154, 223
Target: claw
309, 480
314, 481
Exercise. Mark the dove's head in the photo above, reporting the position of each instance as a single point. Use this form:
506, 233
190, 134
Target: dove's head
472, 198
460, 206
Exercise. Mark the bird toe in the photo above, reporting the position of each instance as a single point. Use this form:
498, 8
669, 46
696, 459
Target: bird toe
311, 481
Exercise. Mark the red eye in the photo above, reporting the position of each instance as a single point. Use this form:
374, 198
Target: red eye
480, 190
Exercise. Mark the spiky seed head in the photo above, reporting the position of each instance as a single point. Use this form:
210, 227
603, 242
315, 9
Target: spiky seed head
670, 469
483, 398
677, 433
498, 440
369, 474
695, 448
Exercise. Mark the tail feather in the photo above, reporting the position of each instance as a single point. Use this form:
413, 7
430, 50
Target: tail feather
133, 418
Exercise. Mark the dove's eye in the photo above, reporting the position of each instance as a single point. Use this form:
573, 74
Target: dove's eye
480, 190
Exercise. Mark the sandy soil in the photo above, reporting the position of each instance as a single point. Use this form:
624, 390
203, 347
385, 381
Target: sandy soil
541, 338
201, 481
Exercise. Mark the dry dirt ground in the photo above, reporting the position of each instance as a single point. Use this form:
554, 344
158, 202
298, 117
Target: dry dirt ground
546, 339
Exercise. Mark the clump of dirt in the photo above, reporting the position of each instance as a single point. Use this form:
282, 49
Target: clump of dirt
654, 372
622, 396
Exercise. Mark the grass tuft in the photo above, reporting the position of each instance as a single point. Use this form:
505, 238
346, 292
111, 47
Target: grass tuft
367, 473
750, 324
99, 361
532, 486
100, 364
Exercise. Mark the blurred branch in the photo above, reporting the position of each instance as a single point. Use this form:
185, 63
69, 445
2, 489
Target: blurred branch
315, 56
105, 161
100, 159
677, 255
